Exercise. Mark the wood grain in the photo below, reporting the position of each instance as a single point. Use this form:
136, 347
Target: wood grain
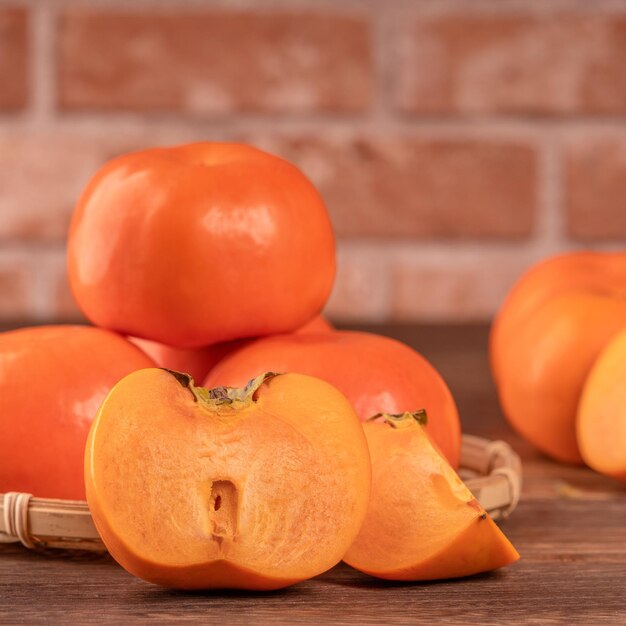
570, 529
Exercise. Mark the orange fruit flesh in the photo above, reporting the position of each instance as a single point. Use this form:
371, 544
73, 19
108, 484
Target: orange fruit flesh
422, 522
601, 419
256, 494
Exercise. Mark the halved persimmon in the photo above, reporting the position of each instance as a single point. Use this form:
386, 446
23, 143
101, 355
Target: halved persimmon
422, 522
253, 488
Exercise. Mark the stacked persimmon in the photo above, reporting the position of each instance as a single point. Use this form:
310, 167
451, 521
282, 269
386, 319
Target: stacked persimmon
217, 260
558, 355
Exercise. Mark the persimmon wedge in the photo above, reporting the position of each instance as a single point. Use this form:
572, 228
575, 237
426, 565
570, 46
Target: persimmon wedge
601, 419
253, 488
422, 522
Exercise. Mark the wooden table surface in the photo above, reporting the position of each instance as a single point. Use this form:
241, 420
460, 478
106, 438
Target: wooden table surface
570, 529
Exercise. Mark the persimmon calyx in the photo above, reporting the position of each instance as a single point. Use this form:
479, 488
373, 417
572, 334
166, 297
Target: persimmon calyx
213, 399
402, 420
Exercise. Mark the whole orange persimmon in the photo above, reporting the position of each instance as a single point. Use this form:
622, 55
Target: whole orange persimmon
377, 374
547, 335
52, 381
199, 361
199, 244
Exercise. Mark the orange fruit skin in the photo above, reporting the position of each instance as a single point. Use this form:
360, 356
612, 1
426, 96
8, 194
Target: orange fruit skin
199, 244
601, 419
545, 339
290, 465
422, 523
52, 381
377, 374
199, 361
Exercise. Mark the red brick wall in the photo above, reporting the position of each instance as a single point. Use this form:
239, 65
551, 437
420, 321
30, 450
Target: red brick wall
455, 142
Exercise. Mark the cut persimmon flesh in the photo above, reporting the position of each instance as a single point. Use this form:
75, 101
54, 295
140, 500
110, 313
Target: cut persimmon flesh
422, 522
253, 488
601, 419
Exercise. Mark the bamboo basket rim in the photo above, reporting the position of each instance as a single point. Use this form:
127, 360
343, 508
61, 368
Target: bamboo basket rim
492, 471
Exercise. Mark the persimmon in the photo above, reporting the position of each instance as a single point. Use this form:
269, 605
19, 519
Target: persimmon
601, 420
422, 522
545, 339
198, 361
199, 244
377, 374
52, 381
253, 488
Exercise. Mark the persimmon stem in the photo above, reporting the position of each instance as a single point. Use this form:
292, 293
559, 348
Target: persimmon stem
222, 396
400, 420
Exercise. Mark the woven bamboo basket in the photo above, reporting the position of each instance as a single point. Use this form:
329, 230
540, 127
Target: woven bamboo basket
491, 470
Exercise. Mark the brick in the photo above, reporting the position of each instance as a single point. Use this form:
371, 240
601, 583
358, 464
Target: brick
362, 285
378, 281
445, 285
41, 177
214, 62
595, 173
13, 58
61, 304
524, 64
16, 277
33, 286
396, 186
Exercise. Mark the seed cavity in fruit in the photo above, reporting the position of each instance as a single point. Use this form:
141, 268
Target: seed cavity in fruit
223, 507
